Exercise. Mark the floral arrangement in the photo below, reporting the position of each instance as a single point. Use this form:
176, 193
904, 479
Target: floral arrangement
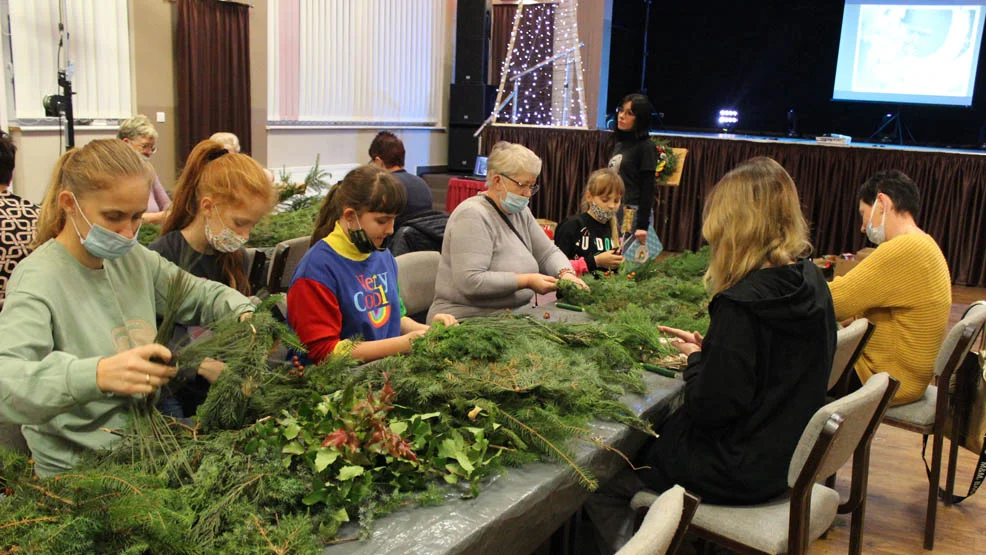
667, 160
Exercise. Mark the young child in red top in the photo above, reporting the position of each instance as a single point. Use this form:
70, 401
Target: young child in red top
343, 295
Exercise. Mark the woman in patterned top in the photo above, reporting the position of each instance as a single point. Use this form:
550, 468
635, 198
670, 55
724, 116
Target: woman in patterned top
18, 217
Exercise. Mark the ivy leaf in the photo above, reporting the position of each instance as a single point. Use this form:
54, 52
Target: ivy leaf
456, 449
426, 416
291, 430
398, 427
293, 448
314, 497
350, 472
324, 458
452, 478
340, 516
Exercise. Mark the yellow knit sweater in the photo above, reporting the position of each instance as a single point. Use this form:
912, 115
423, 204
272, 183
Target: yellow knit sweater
904, 288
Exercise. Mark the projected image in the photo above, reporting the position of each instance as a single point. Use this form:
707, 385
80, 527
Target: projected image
915, 49
910, 51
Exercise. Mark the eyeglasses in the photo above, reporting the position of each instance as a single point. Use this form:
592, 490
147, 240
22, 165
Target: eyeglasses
533, 187
146, 148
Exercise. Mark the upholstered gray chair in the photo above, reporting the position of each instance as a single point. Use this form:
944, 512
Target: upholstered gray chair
839, 430
851, 341
926, 416
416, 272
664, 526
284, 259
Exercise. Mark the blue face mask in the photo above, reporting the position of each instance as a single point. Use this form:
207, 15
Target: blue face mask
101, 242
515, 203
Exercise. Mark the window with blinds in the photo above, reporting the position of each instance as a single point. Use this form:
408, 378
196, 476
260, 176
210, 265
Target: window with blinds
99, 49
354, 62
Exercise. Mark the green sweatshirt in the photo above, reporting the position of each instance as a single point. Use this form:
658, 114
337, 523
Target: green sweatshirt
59, 319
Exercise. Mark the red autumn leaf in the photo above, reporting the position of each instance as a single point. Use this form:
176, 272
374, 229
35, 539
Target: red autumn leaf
336, 438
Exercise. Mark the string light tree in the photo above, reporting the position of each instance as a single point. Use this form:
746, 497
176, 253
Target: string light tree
543, 60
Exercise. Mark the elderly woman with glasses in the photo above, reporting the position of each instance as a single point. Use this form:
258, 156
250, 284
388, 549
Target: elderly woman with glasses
495, 256
139, 133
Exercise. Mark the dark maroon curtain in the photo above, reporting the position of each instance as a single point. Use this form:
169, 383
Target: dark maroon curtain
953, 188
503, 24
212, 41
534, 44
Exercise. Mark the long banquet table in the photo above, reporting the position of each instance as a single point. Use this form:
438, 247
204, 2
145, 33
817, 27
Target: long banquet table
518, 510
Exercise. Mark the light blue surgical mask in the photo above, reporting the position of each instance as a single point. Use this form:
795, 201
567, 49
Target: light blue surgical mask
515, 203
101, 242
878, 234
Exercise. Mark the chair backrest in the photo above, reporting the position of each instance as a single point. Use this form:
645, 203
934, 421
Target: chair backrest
851, 340
973, 321
416, 272
665, 524
257, 269
286, 256
857, 416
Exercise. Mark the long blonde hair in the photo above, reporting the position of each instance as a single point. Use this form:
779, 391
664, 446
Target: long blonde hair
605, 182
752, 218
94, 167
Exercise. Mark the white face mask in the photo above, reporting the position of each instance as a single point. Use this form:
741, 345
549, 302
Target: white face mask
877, 235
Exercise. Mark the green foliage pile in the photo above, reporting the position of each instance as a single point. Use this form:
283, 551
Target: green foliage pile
279, 458
668, 292
148, 233
281, 226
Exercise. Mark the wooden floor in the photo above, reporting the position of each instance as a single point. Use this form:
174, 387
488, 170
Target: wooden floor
898, 490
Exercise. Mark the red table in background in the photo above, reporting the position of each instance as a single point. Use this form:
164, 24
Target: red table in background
459, 189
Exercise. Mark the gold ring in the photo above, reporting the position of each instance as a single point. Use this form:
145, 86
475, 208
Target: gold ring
148, 379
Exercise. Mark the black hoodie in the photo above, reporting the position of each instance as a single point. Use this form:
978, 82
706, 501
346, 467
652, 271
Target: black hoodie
751, 391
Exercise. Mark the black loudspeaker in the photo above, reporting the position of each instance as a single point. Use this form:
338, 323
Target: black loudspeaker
472, 41
462, 147
470, 104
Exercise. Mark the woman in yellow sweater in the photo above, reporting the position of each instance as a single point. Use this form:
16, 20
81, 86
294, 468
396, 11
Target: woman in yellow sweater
903, 287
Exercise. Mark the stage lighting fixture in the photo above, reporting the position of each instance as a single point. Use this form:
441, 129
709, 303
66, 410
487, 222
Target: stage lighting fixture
727, 120
54, 105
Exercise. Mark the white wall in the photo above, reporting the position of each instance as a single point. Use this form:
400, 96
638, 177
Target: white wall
340, 146
37, 153
298, 147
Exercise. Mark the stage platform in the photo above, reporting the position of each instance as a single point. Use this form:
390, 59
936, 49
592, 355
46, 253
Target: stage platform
952, 183
814, 142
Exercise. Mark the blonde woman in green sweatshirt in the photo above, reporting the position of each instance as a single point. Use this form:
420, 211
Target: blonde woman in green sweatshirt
78, 324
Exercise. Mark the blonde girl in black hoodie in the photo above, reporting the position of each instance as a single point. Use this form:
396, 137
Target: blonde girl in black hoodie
755, 379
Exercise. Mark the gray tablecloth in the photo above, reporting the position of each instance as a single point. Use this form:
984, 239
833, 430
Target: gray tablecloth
519, 509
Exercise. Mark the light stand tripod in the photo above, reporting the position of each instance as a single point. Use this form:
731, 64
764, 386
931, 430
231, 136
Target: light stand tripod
899, 128
57, 105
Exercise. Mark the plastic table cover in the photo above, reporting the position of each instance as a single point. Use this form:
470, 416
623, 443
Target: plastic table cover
518, 510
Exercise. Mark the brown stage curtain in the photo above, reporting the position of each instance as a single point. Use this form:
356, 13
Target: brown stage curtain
212, 41
503, 24
953, 188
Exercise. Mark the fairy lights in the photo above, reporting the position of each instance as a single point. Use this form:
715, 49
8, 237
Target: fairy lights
541, 31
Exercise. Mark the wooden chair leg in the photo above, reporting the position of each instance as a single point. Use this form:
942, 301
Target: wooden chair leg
953, 455
934, 481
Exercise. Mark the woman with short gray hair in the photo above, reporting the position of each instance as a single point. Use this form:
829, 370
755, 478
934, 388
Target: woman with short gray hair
495, 256
139, 133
